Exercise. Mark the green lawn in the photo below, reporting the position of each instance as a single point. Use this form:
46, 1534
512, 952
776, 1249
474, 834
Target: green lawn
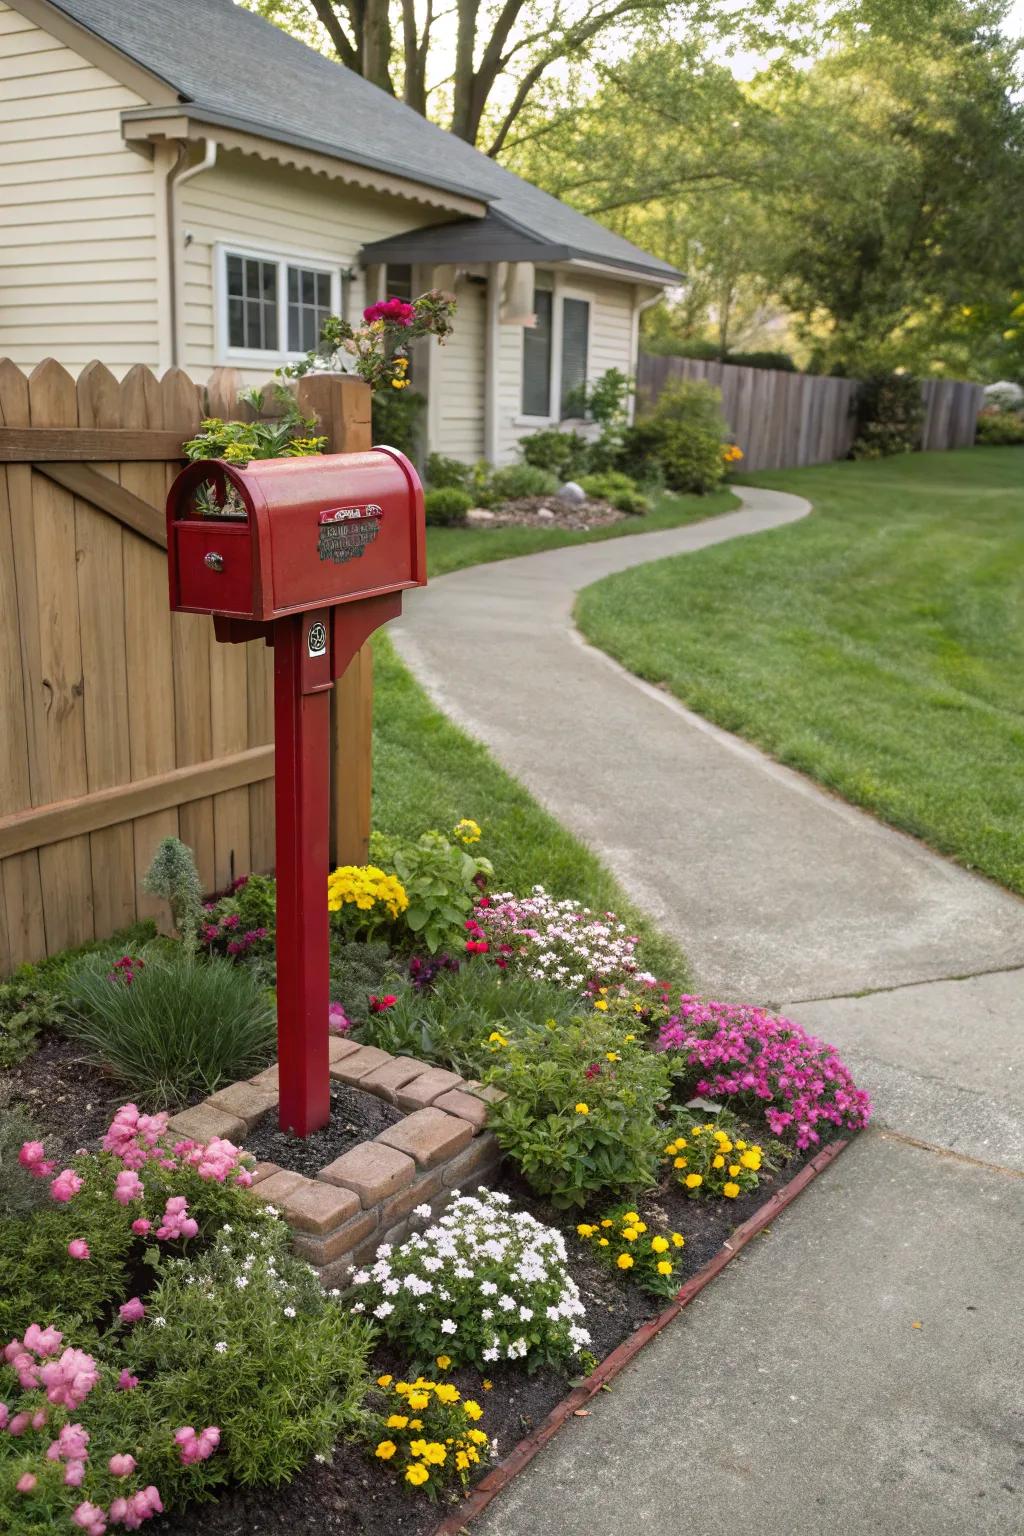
427, 773
450, 549
877, 646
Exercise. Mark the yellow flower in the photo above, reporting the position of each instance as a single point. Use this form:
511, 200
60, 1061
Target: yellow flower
462, 1461
718, 1162
583, 1109
472, 1410
600, 1003
630, 1038
607, 1222
385, 1381
467, 830
678, 1240
670, 1149
443, 1362
398, 1421
495, 1038
659, 1244
416, 1474
585, 1229
418, 1447
752, 1159
386, 1449
419, 1401
602, 1242
477, 1436
664, 1268
631, 1217
630, 1234
641, 1226
734, 1169
693, 1181
415, 1423
730, 1191
435, 1453
625, 1261
472, 1453
612, 1056
740, 1146
680, 1162
488, 1385
446, 1393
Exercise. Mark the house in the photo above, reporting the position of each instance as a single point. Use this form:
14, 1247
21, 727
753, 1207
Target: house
186, 184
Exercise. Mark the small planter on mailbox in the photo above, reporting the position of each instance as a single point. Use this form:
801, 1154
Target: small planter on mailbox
310, 554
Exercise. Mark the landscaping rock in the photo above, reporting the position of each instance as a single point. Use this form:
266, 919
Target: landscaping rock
479, 517
245, 1101
276, 1189
423, 1090
364, 1059
545, 514
386, 1081
573, 493
466, 1106
372, 1171
319, 1208
429, 1135
203, 1123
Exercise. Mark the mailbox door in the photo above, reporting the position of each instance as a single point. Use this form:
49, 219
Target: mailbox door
213, 567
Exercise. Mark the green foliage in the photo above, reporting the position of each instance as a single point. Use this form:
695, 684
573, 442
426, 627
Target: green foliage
25, 1011
1000, 429
515, 480
682, 438
173, 1028
612, 485
440, 881
290, 435
709, 1160
581, 1116
444, 472
397, 420
565, 454
50, 974
890, 413
621, 1240
173, 877
781, 362
19, 1191
359, 969
450, 1022
446, 1432
447, 506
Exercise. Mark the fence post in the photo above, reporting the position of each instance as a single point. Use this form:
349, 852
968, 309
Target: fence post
342, 405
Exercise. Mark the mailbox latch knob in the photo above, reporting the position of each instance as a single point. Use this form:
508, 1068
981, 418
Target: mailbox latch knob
214, 561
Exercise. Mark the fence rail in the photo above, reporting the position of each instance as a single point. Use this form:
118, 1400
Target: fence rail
120, 722
785, 420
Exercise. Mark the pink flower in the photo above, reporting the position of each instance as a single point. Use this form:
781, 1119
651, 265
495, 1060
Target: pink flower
177, 1223
39, 1419
193, 1447
78, 1248
90, 1518
128, 1186
70, 1445
139, 1506
396, 310
74, 1474
338, 1021
123, 1465
26, 1482
126, 1382
132, 1311
69, 1380
382, 1004
5, 1414
25, 1369
42, 1341
32, 1156
142, 1226
65, 1186
19, 1424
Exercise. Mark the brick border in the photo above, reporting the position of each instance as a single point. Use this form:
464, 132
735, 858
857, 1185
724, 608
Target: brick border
366, 1196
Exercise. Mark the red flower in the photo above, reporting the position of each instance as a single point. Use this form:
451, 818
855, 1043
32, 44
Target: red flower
382, 1004
593, 1070
477, 946
395, 310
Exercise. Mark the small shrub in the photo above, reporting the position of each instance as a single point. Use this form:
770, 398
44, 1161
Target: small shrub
708, 1162
612, 485
241, 925
582, 1118
483, 1284
25, 1012
173, 877
447, 506
516, 480
1000, 429
564, 454
363, 900
890, 413
1006, 395
440, 879
768, 1064
780, 361
426, 1434
169, 1027
682, 437
623, 1242
556, 940
450, 1023
444, 472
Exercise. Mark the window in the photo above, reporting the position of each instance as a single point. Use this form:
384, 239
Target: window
272, 306
398, 282
575, 334
537, 357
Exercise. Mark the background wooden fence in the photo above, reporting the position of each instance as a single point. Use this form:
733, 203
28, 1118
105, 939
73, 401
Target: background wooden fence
121, 723
783, 420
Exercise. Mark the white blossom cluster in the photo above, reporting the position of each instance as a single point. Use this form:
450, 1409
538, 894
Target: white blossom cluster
482, 1285
559, 941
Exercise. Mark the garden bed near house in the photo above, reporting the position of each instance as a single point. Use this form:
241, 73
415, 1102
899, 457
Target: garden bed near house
547, 512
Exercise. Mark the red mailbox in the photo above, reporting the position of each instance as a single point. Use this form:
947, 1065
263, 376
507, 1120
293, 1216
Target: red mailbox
310, 554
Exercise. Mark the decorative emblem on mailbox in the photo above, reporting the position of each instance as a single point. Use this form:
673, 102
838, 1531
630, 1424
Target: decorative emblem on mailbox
346, 531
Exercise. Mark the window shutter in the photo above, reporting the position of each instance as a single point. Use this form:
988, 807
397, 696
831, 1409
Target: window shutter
575, 340
537, 358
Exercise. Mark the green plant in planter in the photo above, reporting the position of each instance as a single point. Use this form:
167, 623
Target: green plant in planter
581, 1116
26, 1010
288, 436
440, 880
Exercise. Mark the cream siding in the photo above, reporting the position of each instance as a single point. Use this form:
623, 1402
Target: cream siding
259, 206
78, 255
457, 372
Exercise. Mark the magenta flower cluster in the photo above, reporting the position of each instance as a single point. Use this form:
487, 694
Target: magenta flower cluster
226, 934
801, 1085
338, 1021
396, 310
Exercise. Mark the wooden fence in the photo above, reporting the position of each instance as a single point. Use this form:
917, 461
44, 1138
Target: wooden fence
784, 420
120, 722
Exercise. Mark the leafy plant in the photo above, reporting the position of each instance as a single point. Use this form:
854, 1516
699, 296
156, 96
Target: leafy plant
612, 485
682, 437
515, 480
447, 506
444, 472
440, 880
483, 1284
19, 1191
890, 412
173, 877
378, 350
289, 435
450, 1023
171, 1027
26, 1010
564, 454
397, 419
426, 1433
359, 969
556, 940
623, 1241
581, 1118
1000, 429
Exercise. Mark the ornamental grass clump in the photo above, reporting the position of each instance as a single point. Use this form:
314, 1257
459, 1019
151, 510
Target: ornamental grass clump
581, 1113
483, 1284
766, 1063
170, 1027
426, 1433
624, 1242
556, 940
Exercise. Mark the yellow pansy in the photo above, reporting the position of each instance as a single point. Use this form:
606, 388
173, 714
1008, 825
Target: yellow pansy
398, 1421
443, 1362
730, 1191
694, 1181
582, 1109
625, 1261
659, 1244
664, 1268
416, 1474
386, 1449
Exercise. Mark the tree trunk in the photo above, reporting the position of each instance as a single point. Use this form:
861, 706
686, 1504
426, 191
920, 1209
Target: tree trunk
463, 125
376, 44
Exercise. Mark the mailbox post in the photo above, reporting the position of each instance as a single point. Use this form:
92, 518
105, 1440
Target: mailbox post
311, 555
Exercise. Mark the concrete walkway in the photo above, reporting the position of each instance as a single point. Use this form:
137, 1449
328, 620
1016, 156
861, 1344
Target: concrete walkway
796, 1395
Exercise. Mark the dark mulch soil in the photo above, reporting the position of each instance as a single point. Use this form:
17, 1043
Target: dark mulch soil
355, 1117
69, 1102
578, 516
350, 1495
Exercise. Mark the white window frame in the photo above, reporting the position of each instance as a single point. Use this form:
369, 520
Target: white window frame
560, 290
282, 259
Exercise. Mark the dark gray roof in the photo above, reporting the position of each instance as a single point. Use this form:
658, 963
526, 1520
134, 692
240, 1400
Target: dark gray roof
240, 71
491, 238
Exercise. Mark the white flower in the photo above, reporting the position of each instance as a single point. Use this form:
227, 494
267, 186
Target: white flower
227, 1228
271, 1210
359, 1307
487, 1314
289, 1311
384, 1310
525, 1314
392, 1287
159, 1322
242, 1281
490, 1354
447, 1326
488, 1288
221, 1347
506, 1303
361, 1277
422, 1210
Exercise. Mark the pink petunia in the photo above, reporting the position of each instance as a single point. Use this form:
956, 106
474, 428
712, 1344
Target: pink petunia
26, 1482
128, 1186
42, 1341
78, 1248
126, 1382
69, 1380
141, 1227
193, 1447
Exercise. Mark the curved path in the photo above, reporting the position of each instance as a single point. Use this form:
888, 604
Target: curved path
859, 1371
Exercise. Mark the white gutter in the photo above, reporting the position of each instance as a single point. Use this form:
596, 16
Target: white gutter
176, 248
634, 345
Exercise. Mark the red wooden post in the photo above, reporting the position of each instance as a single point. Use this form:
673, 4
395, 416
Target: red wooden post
302, 722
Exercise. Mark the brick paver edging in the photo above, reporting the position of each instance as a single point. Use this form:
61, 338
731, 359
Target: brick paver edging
366, 1196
